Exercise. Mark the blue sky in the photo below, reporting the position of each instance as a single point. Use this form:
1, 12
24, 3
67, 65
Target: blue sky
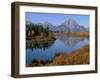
57, 19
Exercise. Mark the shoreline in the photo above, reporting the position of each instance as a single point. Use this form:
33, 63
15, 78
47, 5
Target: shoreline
80, 56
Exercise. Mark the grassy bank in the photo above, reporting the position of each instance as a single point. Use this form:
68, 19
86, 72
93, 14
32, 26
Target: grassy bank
80, 56
80, 34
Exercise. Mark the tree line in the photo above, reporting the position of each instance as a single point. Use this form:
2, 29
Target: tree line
33, 30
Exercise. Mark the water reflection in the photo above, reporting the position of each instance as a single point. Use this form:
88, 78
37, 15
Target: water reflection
70, 41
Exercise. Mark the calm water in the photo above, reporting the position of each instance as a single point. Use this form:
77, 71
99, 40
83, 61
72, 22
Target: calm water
47, 50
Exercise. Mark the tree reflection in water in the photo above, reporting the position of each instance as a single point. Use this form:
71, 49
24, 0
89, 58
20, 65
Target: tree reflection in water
33, 44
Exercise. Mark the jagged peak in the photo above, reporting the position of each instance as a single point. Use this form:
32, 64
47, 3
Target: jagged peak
70, 21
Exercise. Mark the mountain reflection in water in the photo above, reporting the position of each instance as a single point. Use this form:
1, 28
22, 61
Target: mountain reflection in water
46, 50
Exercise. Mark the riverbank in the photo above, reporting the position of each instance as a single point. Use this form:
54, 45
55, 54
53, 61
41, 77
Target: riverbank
80, 34
39, 41
80, 56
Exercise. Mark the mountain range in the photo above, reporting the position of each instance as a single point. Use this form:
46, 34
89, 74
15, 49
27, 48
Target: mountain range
69, 25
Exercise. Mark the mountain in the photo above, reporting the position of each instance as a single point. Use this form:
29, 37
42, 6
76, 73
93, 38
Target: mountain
50, 26
47, 24
71, 25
